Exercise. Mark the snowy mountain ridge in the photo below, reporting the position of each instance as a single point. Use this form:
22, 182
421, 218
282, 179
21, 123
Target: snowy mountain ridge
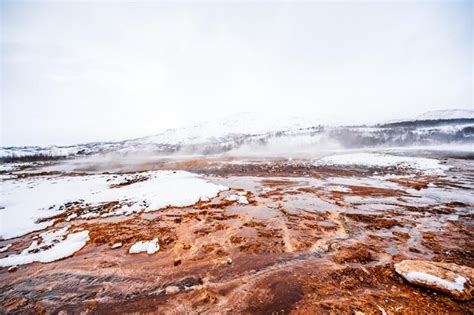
447, 114
442, 114
239, 124
271, 131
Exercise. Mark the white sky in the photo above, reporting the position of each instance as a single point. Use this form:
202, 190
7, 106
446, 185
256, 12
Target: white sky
91, 71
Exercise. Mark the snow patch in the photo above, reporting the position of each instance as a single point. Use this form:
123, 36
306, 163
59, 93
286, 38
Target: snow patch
28, 200
432, 166
457, 285
240, 198
52, 248
339, 188
150, 247
5, 248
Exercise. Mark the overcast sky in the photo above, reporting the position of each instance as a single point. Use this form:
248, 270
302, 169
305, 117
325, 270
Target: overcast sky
90, 71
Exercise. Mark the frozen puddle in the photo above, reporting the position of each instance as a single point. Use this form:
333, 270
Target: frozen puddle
27, 202
54, 245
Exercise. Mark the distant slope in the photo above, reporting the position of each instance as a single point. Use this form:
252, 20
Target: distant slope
447, 114
250, 133
443, 114
242, 124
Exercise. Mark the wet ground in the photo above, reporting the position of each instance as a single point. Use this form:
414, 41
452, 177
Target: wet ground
303, 239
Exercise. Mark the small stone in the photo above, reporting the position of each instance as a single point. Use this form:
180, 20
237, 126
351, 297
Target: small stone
177, 262
13, 268
171, 289
229, 261
186, 246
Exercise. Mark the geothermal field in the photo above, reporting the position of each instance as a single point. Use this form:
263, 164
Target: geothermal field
236, 157
386, 232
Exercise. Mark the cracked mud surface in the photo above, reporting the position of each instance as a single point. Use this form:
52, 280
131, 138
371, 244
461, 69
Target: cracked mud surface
309, 240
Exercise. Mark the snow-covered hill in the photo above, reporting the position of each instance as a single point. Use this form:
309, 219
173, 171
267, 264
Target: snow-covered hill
447, 114
242, 124
264, 132
443, 114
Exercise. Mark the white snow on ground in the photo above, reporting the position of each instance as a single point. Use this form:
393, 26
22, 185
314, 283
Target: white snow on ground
52, 248
150, 247
27, 200
457, 285
5, 248
448, 147
243, 200
116, 245
240, 198
384, 160
10, 167
71, 216
339, 188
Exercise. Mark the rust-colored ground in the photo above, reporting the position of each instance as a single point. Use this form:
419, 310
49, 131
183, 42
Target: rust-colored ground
299, 246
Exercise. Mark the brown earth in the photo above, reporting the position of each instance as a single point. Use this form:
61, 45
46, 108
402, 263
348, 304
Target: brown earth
297, 247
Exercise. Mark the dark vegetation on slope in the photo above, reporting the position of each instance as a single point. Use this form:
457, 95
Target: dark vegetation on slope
398, 134
13, 158
427, 123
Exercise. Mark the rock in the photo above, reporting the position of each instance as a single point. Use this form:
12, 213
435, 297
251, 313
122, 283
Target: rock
171, 289
229, 261
357, 252
451, 279
186, 246
13, 268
